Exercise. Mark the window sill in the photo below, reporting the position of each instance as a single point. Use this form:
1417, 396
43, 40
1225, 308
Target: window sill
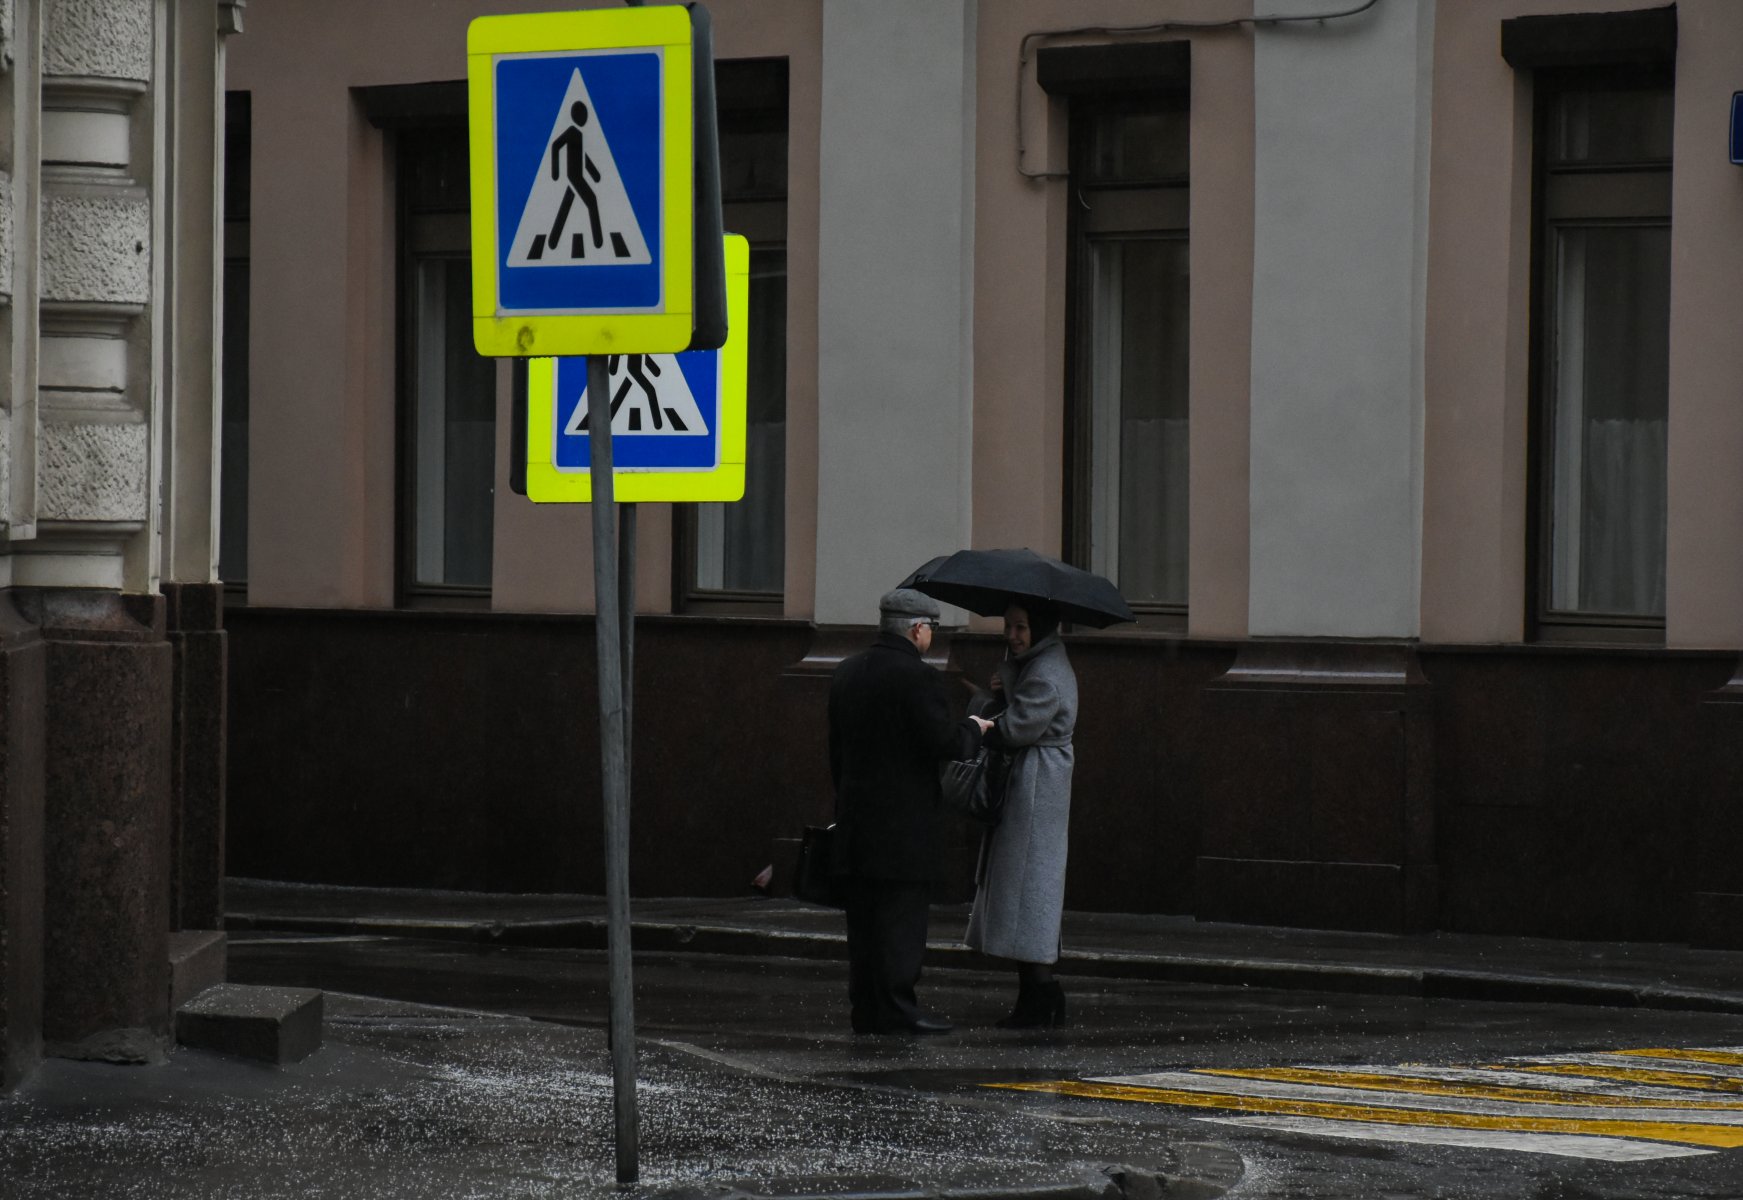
1597, 633
446, 601
733, 604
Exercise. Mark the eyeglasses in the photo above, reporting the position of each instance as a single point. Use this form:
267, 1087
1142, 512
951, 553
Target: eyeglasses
932, 625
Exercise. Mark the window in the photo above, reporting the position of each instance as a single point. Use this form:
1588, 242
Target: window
732, 557
448, 390
233, 443
1129, 396
1602, 350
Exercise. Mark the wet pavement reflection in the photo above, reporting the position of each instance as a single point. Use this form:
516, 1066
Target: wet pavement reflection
750, 1078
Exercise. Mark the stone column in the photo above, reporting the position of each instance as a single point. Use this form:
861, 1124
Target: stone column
21, 786
106, 831
99, 341
21, 648
88, 578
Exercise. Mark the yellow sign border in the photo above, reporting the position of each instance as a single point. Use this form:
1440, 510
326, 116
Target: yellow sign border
548, 485
550, 334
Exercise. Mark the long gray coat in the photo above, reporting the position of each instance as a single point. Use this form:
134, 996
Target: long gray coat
1022, 878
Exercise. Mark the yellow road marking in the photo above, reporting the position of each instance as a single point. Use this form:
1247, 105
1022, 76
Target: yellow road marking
1411, 1085
1718, 1058
1682, 1079
1694, 1135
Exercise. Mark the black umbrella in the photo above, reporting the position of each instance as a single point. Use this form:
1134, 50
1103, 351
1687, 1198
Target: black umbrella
985, 581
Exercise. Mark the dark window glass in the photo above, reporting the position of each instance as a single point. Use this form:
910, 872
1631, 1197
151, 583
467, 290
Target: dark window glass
238, 154
734, 555
233, 467
1136, 147
1624, 128
739, 547
449, 439
1130, 401
454, 430
1603, 339
233, 436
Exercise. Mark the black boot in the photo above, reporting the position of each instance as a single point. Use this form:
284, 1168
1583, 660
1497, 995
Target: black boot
1039, 1006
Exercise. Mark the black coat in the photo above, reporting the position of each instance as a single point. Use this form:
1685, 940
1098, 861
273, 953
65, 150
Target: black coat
889, 729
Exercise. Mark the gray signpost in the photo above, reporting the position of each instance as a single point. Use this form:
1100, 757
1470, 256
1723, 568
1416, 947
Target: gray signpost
517, 64
614, 638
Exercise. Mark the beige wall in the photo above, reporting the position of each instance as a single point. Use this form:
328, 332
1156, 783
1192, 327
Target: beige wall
1020, 288
322, 401
544, 553
1474, 504
322, 352
1704, 584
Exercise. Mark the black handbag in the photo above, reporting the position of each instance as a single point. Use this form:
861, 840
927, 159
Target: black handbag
813, 881
975, 787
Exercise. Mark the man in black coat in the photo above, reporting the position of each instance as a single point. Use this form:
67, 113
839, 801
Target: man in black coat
889, 730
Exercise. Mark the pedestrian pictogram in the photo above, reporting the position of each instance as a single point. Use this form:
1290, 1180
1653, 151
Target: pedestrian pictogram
583, 181
677, 420
665, 412
578, 211
649, 394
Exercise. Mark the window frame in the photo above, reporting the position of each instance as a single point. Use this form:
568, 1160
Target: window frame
413, 231
1544, 623
761, 216
1149, 209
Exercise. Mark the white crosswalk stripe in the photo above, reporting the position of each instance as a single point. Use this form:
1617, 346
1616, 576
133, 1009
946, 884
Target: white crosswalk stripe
1564, 1145
1571, 1109
1622, 1105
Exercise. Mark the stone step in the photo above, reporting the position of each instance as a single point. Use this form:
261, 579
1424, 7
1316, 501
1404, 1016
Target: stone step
198, 960
272, 1024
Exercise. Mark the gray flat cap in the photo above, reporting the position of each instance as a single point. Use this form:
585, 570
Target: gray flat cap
906, 602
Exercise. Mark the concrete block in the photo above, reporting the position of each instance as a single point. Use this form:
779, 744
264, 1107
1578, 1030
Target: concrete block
197, 961
276, 1025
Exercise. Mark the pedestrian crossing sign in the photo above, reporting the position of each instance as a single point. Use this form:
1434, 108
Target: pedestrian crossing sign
581, 138
677, 420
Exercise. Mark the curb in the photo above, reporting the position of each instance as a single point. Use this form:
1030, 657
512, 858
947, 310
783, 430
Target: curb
1429, 983
1082, 1182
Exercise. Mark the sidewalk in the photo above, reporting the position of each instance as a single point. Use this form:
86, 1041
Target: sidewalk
1178, 949
417, 1102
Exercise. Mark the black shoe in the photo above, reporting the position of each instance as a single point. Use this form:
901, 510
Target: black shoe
921, 1024
1039, 1006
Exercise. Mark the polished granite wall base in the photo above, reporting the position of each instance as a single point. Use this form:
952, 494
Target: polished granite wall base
1528, 790
1319, 790
195, 624
457, 750
1715, 866
109, 675
22, 660
454, 750
1575, 789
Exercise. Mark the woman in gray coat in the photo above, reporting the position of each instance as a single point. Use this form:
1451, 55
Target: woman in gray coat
1021, 892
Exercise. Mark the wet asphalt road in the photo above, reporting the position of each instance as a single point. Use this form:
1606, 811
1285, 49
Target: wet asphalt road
783, 1022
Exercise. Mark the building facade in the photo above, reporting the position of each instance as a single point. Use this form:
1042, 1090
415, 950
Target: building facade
112, 658
1380, 352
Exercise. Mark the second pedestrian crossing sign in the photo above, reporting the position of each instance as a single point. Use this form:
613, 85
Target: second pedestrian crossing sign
677, 420
582, 181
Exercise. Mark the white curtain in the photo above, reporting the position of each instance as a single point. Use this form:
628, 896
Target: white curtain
1622, 549
1153, 509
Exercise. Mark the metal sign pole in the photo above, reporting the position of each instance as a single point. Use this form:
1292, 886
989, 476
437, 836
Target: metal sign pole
613, 648
626, 514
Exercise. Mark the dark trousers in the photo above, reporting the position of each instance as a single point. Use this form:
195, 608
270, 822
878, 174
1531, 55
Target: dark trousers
886, 939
